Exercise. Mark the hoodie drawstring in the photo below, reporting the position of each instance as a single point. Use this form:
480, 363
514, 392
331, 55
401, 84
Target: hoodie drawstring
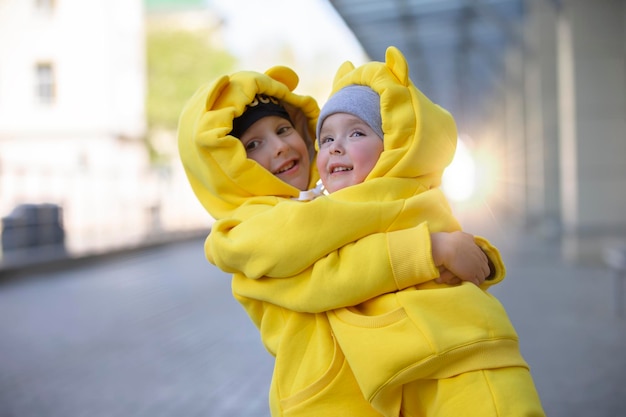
311, 194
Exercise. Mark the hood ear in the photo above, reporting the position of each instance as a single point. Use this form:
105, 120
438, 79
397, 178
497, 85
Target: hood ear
284, 75
395, 61
216, 91
344, 69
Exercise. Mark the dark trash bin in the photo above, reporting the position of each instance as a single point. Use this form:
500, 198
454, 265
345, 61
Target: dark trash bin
33, 226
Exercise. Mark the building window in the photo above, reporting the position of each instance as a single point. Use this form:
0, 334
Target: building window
45, 87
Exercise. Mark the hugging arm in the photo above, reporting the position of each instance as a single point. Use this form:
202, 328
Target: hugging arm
334, 242
377, 264
285, 239
372, 266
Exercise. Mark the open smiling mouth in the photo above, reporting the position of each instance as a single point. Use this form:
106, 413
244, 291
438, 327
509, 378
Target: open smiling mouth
340, 169
286, 168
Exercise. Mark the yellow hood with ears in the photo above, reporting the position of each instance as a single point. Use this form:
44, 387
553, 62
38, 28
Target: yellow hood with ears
420, 136
220, 174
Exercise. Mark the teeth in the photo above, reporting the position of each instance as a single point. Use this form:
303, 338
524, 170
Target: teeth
338, 169
287, 168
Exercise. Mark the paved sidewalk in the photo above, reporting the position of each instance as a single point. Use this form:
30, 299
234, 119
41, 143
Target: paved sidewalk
569, 331
152, 333
157, 333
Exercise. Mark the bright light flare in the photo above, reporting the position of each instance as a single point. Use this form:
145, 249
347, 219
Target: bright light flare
459, 179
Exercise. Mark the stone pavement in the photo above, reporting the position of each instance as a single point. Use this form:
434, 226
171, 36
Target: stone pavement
569, 332
157, 333
152, 333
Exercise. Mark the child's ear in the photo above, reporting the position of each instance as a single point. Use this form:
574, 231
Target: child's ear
284, 75
216, 91
395, 61
345, 68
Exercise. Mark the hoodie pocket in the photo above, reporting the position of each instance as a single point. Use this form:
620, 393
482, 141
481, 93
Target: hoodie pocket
334, 393
421, 334
378, 346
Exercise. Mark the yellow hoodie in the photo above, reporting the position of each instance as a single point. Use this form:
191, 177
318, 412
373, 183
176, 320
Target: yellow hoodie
427, 331
310, 376
292, 261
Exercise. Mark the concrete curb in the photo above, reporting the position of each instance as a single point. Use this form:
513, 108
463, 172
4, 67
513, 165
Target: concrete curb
23, 262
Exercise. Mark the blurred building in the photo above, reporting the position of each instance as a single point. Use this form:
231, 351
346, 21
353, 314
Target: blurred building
538, 89
73, 125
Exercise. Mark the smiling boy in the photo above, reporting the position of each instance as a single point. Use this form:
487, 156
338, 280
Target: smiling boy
458, 372
269, 137
349, 146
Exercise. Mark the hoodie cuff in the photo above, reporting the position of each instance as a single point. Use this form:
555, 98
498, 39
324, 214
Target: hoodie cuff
411, 257
496, 265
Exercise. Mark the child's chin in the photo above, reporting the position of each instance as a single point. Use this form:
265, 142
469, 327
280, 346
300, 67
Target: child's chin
336, 187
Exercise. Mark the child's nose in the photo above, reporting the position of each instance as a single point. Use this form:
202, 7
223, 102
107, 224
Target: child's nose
336, 147
280, 146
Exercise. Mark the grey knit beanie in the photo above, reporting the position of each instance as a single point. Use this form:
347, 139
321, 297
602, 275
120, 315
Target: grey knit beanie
357, 100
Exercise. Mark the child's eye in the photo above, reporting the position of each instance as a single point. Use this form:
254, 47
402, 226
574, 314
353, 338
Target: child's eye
283, 129
325, 140
358, 133
252, 145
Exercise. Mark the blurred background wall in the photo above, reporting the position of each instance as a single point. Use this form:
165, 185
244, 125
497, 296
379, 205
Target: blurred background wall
74, 131
90, 93
573, 132
538, 91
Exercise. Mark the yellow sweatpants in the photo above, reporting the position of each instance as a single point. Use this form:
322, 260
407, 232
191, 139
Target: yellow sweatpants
505, 392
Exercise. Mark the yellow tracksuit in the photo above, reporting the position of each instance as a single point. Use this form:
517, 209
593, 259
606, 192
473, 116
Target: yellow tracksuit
346, 279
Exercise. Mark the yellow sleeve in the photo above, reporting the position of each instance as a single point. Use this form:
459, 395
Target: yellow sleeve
285, 239
372, 266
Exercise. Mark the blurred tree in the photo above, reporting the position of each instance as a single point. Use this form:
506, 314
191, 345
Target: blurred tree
178, 63
181, 56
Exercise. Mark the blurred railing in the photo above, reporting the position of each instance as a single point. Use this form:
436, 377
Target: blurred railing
66, 214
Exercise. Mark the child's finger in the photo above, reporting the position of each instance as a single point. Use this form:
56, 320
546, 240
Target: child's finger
445, 275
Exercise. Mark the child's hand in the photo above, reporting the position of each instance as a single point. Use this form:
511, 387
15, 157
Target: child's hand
460, 257
447, 277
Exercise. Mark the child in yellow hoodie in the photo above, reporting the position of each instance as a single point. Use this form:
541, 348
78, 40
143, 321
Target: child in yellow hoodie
311, 376
447, 375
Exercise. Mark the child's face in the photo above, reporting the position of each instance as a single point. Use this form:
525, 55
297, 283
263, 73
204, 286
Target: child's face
349, 149
274, 143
